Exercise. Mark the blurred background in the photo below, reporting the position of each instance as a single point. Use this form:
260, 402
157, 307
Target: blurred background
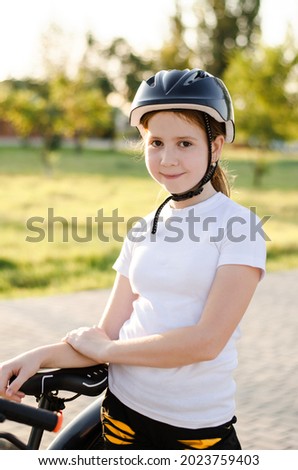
68, 166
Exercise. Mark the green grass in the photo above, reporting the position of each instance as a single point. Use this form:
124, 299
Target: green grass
84, 184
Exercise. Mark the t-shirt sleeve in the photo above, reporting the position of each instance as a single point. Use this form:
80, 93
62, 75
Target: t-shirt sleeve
123, 261
244, 242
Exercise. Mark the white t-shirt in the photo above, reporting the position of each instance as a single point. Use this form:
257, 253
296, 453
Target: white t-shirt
172, 272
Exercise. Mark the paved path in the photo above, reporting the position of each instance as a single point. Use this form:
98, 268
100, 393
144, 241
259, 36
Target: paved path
267, 376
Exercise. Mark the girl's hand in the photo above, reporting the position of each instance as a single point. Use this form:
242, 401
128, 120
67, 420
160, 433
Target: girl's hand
91, 342
22, 368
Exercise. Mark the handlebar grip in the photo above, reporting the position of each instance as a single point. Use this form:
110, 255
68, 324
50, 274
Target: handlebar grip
35, 417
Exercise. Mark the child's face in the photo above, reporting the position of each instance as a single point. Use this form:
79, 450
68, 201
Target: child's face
176, 152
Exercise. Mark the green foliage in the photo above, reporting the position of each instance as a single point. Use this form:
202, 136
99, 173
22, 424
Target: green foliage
224, 25
58, 107
175, 52
219, 26
124, 68
86, 112
264, 89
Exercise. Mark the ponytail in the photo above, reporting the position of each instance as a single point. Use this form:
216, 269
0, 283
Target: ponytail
220, 181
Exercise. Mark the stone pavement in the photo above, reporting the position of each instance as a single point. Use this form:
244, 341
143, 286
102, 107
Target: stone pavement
267, 376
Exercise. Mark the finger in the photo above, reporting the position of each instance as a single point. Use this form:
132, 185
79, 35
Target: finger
17, 397
71, 333
13, 389
69, 340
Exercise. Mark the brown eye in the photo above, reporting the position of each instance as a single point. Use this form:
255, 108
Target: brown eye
185, 144
156, 143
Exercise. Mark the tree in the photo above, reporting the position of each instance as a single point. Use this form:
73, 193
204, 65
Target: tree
175, 52
54, 109
125, 69
118, 70
69, 102
224, 25
86, 112
264, 88
263, 84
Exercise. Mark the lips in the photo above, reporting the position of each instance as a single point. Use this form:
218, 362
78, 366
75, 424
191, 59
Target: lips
172, 177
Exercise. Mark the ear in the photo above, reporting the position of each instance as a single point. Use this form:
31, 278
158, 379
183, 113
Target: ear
217, 146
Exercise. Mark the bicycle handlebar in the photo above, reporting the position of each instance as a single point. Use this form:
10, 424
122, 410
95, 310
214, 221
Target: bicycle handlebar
35, 417
90, 381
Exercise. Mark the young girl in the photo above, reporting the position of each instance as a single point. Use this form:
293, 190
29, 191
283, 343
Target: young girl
185, 277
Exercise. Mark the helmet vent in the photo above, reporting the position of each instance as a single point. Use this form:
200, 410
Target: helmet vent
151, 81
198, 75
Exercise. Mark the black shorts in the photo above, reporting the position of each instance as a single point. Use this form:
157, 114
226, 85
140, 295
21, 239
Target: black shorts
124, 428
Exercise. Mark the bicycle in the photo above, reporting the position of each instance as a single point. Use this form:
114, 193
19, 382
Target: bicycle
82, 433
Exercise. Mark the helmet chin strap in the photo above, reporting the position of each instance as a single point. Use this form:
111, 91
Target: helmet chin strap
196, 189
186, 195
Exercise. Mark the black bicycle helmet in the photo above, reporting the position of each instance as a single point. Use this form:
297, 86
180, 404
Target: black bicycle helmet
186, 89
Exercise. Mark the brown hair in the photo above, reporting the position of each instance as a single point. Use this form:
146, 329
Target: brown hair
219, 180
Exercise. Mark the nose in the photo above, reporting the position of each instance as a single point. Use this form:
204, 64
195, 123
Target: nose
168, 157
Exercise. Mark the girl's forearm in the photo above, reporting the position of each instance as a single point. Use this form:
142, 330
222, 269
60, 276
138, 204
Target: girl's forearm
173, 349
53, 356
62, 355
